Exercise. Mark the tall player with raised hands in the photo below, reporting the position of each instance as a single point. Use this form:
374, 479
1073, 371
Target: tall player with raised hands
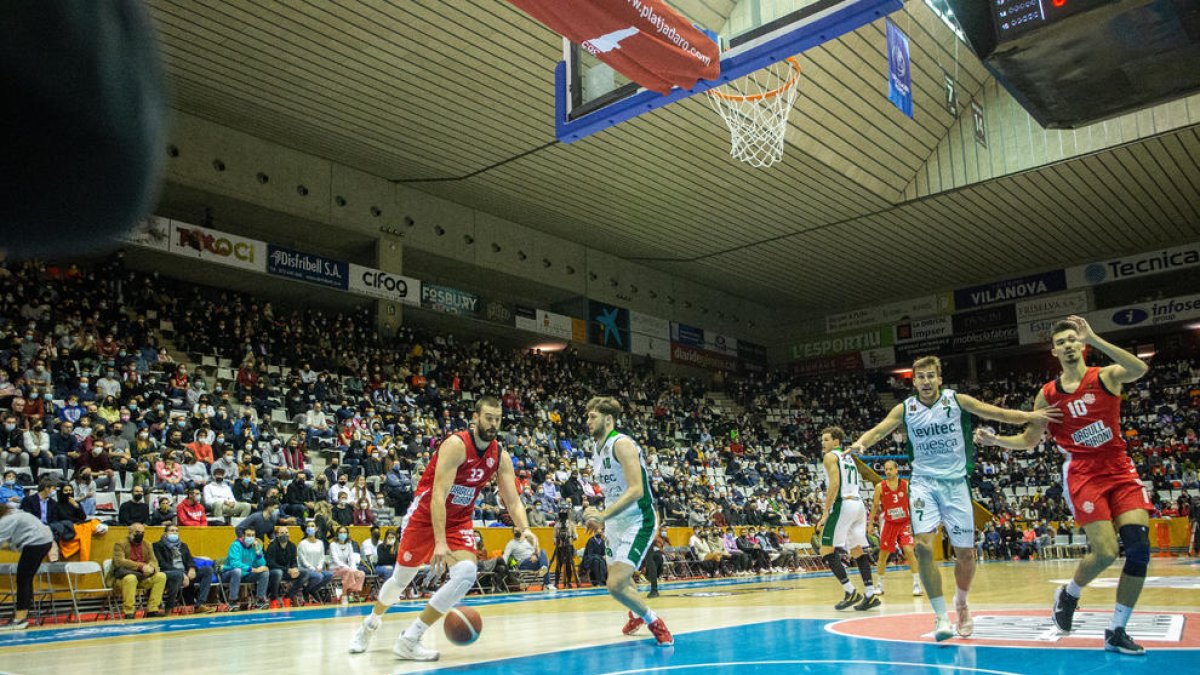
1103, 491
938, 424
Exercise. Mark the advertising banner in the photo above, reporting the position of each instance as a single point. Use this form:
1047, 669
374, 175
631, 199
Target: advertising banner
984, 329
1036, 331
646, 345
702, 358
749, 352
150, 232
879, 358
384, 285
1155, 313
1075, 302
608, 325
315, 269
1132, 267
500, 312
648, 325
853, 342
721, 344
899, 73
687, 335
1010, 290
219, 247
893, 312
450, 301
829, 365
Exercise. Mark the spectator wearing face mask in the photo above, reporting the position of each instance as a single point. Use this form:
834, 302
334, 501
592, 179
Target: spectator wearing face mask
134, 566
12, 444
363, 516
227, 463
37, 443
311, 555
163, 513
11, 492
340, 489
344, 564
85, 491
385, 556
245, 562
195, 473
175, 560
135, 510
343, 511
218, 497
284, 565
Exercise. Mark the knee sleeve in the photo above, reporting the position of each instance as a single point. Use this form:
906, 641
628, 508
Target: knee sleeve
834, 560
1136, 539
462, 577
389, 593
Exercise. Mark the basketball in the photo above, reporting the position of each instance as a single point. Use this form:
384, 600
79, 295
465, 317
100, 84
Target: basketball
462, 625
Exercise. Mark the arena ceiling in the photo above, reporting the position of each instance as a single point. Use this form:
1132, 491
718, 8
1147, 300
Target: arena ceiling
455, 99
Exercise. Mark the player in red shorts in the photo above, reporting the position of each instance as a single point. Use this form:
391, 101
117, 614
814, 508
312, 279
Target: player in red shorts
891, 496
1099, 478
438, 529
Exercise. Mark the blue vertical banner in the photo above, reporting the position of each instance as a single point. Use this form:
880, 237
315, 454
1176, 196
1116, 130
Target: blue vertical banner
899, 75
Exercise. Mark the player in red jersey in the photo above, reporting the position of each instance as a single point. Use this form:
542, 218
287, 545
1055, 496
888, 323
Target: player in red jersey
891, 496
1099, 478
438, 530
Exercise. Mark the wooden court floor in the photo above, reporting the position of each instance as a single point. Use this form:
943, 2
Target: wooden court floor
771, 624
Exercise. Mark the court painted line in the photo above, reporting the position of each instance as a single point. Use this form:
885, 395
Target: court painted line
891, 665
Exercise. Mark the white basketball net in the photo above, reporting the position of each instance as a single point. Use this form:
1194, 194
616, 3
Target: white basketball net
755, 108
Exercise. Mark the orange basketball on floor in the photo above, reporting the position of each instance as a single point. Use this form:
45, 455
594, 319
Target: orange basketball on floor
462, 625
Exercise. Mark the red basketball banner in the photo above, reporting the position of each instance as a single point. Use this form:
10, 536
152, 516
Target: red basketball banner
644, 40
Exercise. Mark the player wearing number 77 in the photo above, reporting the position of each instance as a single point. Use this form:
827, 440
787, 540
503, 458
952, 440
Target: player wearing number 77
438, 529
940, 447
1101, 482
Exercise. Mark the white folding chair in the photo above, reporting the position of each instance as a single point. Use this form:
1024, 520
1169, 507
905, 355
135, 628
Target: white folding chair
102, 596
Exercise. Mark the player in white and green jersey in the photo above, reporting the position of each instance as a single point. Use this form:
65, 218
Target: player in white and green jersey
843, 525
938, 426
629, 520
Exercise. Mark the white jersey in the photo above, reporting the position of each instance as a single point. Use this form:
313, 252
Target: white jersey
939, 437
850, 485
609, 474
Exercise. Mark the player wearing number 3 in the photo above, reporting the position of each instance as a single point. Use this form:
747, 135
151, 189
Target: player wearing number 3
1101, 482
938, 424
438, 529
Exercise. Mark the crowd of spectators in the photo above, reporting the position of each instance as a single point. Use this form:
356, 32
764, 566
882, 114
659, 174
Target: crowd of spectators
313, 418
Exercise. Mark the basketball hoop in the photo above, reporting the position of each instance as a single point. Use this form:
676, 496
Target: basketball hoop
755, 108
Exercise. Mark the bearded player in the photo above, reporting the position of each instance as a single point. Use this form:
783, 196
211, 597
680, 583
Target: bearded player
891, 497
438, 530
1103, 490
628, 520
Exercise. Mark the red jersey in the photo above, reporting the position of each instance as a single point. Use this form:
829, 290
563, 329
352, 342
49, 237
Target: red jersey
472, 475
894, 503
1091, 423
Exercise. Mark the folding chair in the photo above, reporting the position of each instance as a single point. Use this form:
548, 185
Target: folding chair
80, 596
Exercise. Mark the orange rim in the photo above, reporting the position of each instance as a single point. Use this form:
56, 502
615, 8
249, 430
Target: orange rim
791, 82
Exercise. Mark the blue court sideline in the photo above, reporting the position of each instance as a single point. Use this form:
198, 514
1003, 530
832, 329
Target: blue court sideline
804, 646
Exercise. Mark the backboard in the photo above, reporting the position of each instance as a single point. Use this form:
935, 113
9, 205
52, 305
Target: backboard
590, 96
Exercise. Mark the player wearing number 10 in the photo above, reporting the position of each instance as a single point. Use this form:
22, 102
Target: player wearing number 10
938, 424
1101, 482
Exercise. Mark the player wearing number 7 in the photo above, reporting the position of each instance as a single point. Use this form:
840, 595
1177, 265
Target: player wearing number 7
1101, 482
940, 447
437, 528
